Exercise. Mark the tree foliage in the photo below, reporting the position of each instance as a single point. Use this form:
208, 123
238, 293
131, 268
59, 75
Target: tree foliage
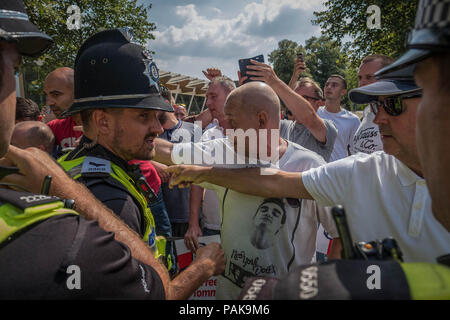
323, 57
347, 19
283, 58
51, 17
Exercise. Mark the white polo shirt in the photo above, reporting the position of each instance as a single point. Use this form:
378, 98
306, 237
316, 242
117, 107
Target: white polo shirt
382, 197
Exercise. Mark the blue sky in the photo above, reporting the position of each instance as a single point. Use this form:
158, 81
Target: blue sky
193, 35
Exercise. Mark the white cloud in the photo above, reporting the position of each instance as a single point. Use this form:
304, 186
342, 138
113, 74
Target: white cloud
255, 28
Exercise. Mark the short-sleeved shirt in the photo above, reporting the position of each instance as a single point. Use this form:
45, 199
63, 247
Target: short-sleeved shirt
346, 123
265, 236
382, 197
102, 268
299, 134
65, 136
367, 138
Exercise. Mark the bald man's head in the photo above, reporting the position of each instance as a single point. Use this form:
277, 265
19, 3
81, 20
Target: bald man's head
33, 134
254, 98
59, 89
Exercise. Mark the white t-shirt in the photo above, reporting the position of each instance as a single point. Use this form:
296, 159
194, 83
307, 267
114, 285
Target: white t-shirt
281, 243
346, 123
367, 138
382, 197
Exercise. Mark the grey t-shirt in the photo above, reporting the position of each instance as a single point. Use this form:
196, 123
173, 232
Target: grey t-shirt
177, 199
299, 134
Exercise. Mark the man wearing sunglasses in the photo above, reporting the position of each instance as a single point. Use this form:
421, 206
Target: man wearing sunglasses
384, 193
428, 58
308, 130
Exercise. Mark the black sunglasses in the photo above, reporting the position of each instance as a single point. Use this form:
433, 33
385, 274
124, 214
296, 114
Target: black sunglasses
392, 105
310, 98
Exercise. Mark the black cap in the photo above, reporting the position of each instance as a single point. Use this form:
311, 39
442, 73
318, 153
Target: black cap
111, 71
431, 34
333, 280
15, 26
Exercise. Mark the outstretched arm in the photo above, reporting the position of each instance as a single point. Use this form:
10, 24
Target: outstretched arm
163, 152
254, 181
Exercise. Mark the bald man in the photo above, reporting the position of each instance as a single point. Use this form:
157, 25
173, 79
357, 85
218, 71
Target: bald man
287, 229
33, 134
59, 91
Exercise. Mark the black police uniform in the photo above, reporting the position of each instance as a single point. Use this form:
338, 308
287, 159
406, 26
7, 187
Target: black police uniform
108, 190
36, 261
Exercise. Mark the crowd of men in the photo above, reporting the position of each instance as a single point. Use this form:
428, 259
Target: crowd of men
111, 171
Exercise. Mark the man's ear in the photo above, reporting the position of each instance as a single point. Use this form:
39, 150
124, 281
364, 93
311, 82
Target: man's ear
263, 119
102, 121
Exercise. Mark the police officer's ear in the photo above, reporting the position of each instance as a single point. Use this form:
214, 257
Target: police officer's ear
101, 121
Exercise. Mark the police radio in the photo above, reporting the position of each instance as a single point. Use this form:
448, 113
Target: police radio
386, 249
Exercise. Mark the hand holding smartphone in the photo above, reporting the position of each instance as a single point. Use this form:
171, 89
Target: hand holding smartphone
243, 63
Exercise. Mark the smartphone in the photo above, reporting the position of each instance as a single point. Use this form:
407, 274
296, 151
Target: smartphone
300, 57
243, 63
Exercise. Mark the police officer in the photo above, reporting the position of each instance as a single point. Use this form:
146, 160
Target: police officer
429, 59
49, 251
117, 95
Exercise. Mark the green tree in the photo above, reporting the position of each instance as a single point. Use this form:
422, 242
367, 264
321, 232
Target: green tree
283, 58
51, 17
347, 19
324, 57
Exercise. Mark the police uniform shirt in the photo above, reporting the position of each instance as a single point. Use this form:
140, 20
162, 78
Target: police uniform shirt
102, 268
108, 190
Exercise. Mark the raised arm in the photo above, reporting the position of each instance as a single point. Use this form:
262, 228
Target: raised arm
253, 181
300, 107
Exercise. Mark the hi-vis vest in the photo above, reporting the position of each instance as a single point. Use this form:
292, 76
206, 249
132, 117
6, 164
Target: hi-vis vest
19, 210
85, 165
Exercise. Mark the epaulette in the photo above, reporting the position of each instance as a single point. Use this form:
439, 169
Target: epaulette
95, 167
24, 200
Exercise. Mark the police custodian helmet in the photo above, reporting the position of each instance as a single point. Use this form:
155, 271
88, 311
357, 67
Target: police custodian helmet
111, 71
16, 27
431, 34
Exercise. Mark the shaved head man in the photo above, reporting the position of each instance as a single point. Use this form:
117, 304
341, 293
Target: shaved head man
58, 88
252, 112
33, 134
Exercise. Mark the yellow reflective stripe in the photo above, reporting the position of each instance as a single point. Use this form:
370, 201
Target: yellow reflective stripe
120, 175
427, 281
12, 219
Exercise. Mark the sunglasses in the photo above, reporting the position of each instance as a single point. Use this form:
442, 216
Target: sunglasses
392, 105
310, 98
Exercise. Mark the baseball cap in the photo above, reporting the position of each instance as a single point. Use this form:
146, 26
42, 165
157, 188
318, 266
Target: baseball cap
385, 87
